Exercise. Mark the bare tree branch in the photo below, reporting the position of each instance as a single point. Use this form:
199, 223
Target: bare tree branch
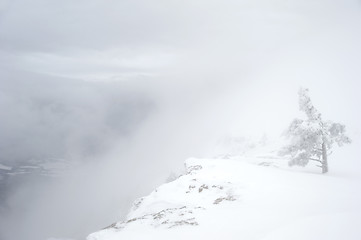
316, 160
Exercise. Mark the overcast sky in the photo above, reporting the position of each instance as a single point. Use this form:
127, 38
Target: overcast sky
190, 44
131, 88
117, 39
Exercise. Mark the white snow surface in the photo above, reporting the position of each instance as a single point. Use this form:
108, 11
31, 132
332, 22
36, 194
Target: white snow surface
235, 199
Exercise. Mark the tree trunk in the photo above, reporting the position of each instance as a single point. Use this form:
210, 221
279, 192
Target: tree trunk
324, 158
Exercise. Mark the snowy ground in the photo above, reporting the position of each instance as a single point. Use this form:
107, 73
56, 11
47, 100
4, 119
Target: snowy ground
244, 199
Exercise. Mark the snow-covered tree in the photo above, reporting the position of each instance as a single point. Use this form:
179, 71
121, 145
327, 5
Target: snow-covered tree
312, 139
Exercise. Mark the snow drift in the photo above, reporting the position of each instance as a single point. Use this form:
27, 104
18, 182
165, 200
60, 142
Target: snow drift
236, 199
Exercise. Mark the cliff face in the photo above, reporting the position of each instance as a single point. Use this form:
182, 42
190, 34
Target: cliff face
218, 199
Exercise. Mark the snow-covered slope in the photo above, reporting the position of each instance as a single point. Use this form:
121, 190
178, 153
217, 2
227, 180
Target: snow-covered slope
233, 199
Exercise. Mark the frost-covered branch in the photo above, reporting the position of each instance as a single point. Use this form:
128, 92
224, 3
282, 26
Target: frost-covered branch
312, 138
316, 160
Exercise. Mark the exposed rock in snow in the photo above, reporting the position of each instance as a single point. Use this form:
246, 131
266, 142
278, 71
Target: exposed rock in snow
230, 199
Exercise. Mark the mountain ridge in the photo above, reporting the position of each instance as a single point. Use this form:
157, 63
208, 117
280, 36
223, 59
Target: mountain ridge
236, 199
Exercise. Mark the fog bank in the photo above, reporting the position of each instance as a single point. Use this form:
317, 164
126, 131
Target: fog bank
125, 91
